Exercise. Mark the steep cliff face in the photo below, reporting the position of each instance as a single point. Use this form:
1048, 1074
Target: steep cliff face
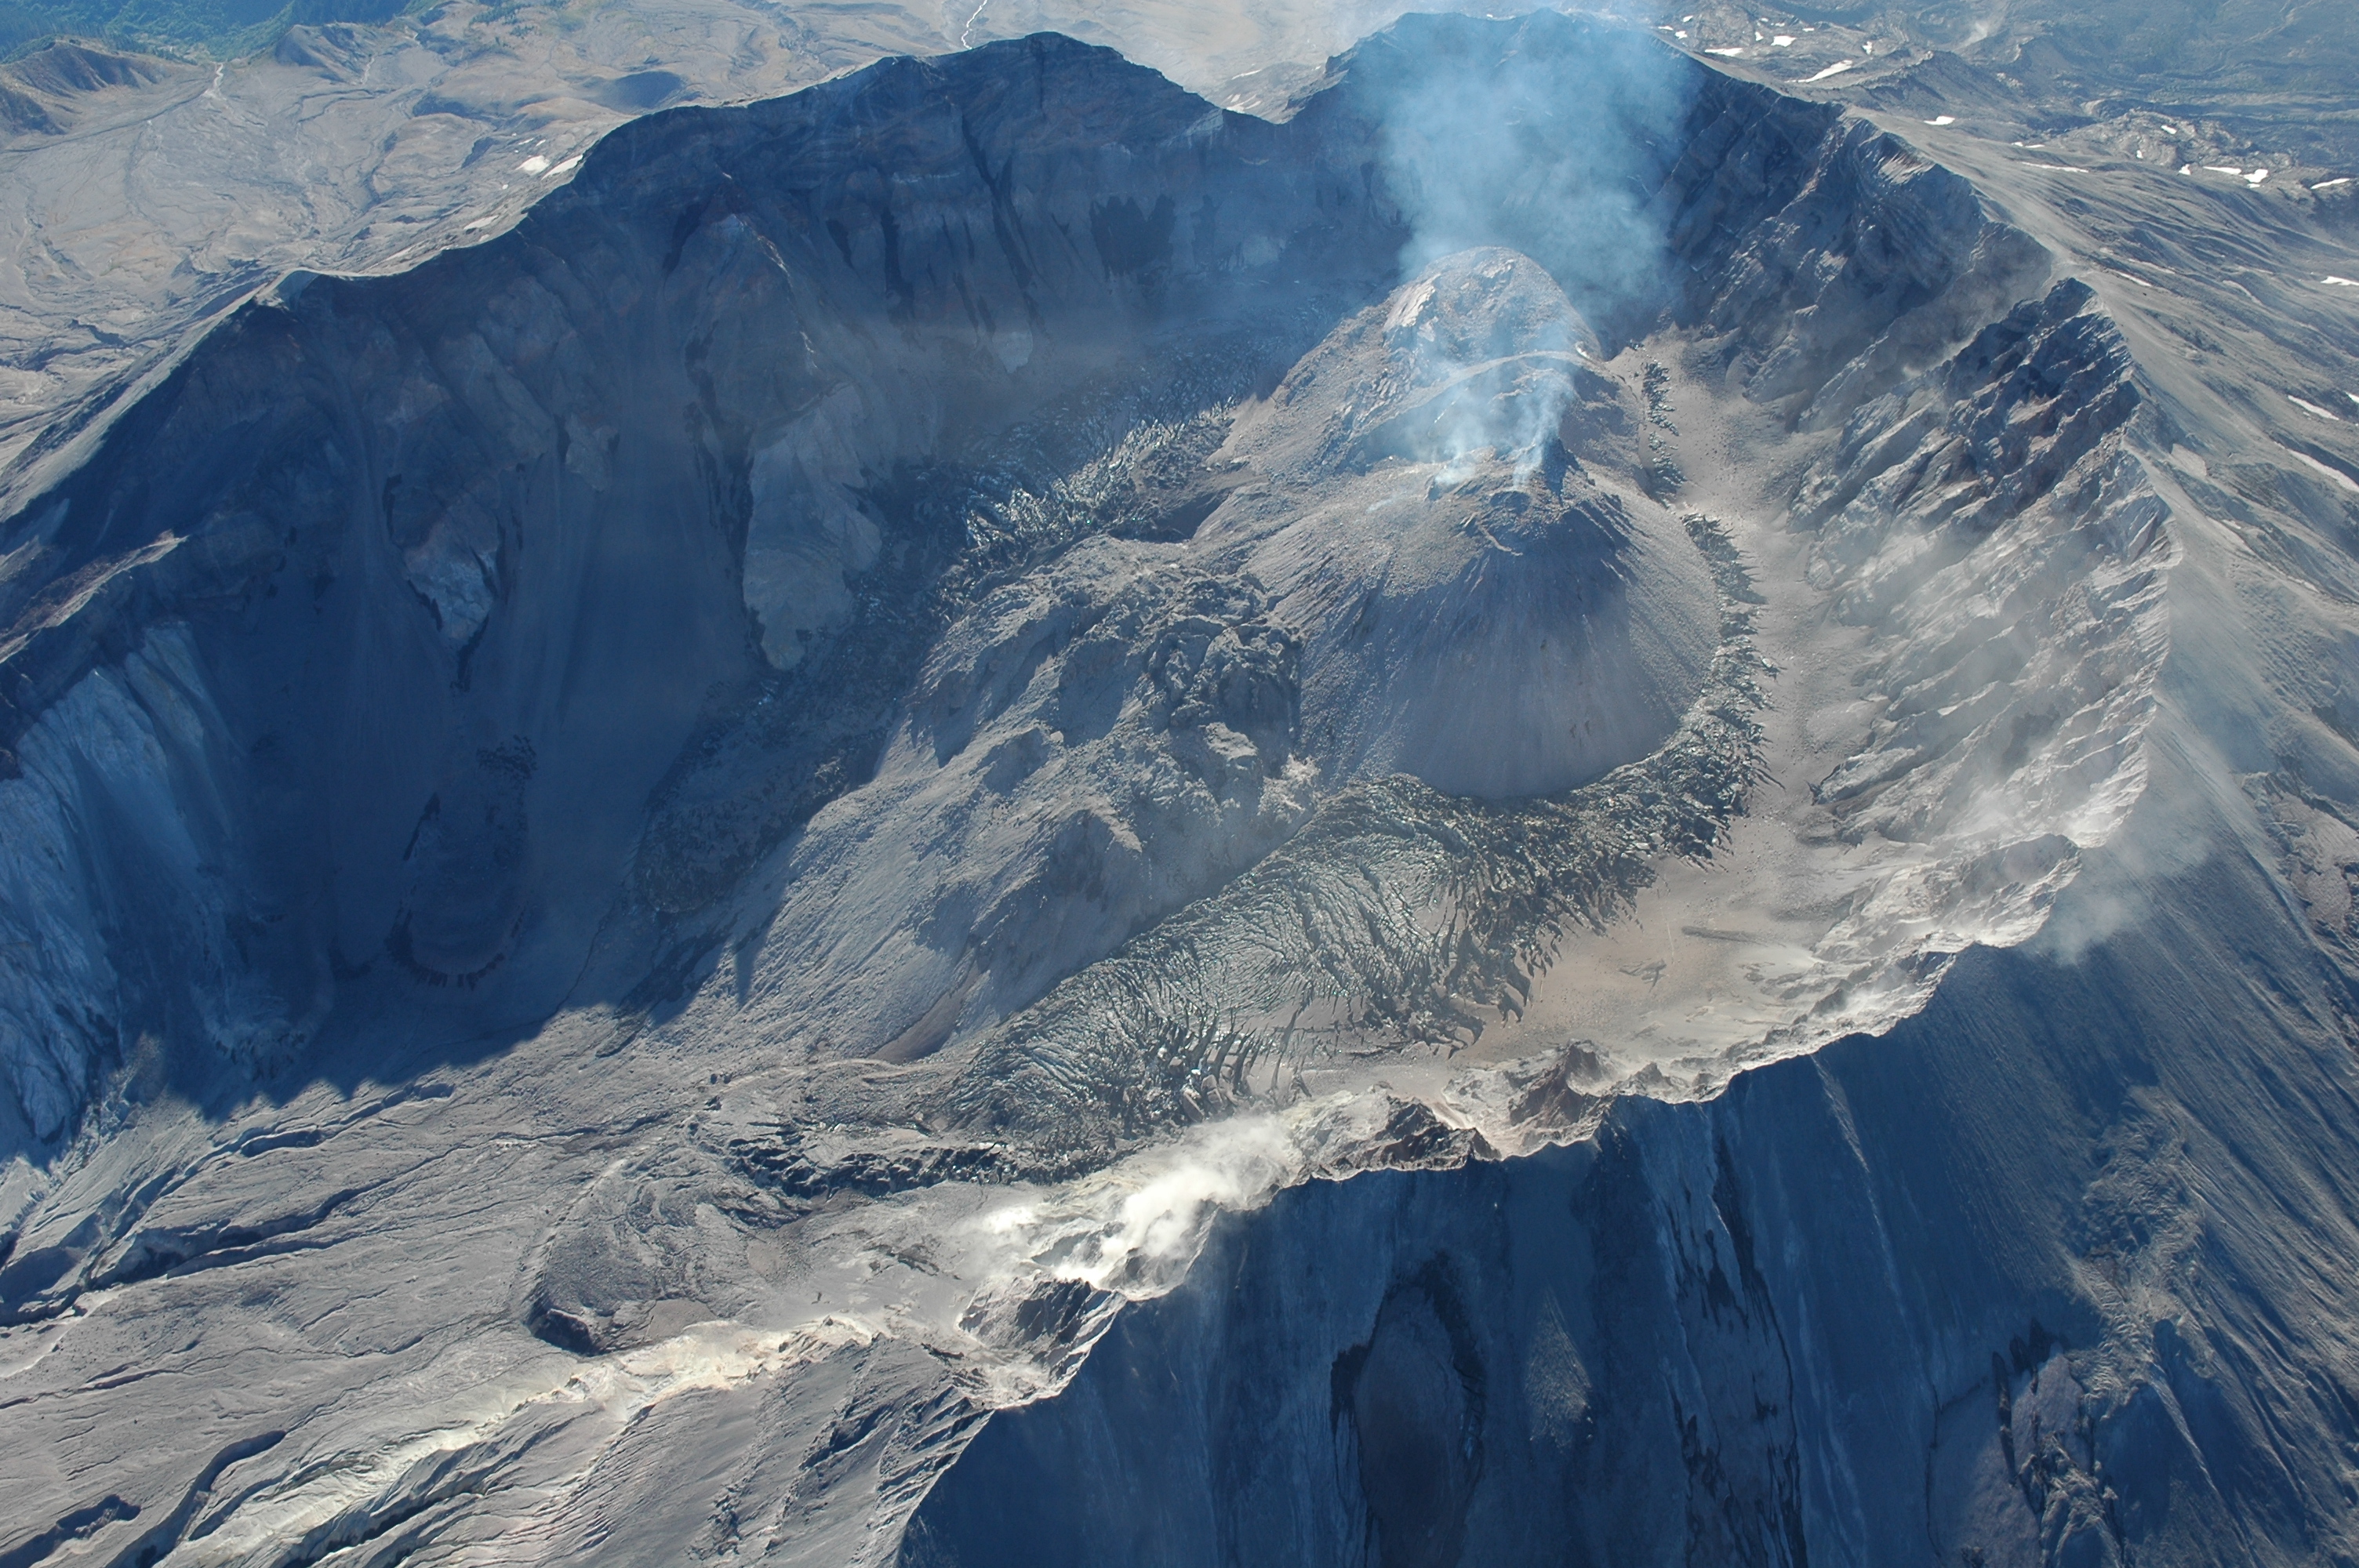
2051, 1274
2004, 577
558, 582
760, 795
456, 563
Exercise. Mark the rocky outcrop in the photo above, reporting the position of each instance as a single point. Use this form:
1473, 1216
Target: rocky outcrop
464, 558
831, 704
1397, 912
2040, 1278
531, 610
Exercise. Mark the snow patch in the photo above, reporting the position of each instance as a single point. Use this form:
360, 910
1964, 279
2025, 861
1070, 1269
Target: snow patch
1835, 70
2327, 469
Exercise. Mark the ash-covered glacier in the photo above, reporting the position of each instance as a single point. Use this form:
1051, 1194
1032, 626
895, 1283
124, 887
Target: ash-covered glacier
1561, 811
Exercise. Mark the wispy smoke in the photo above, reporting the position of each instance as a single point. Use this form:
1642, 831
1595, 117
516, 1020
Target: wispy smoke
1545, 137
1550, 136
1136, 1227
1486, 349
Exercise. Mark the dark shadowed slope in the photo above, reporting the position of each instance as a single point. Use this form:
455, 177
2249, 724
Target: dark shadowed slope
668, 860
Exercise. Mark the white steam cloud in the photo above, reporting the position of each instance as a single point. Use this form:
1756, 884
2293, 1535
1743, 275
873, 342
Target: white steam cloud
1545, 137
1550, 137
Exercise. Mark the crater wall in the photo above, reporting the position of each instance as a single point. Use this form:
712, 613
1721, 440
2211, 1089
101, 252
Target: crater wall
2049, 1274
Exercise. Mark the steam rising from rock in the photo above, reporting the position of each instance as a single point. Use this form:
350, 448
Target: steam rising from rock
1548, 150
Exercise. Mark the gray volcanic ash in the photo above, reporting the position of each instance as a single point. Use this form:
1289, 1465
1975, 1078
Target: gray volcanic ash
990, 816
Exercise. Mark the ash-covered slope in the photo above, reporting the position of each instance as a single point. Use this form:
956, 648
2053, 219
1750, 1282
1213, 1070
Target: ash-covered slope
2052, 1272
666, 860
1513, 639
2056, 1273
446, 570
147, 196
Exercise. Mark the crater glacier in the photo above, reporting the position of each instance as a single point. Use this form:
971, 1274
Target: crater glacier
987, 814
